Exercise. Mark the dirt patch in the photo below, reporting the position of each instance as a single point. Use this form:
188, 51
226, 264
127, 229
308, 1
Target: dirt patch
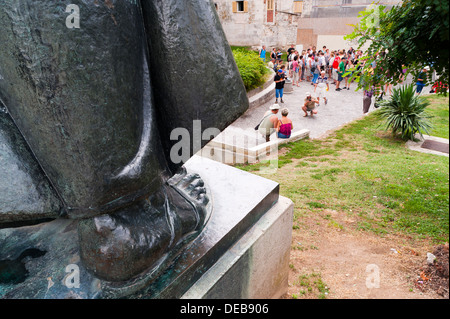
336, 254
354, 264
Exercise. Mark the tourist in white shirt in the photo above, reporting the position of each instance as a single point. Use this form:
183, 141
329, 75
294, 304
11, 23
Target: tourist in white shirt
323, 86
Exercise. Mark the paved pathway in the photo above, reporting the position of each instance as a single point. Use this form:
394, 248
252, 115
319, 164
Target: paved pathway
343, 107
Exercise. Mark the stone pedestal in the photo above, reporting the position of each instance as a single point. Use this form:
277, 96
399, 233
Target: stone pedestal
257, 266
237, 147
248, 235
288, 88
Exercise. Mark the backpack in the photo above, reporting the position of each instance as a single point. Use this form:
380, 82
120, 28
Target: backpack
297, 68
336, 62
313, 67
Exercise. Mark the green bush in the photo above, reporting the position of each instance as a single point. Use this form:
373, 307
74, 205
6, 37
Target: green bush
404, 113
253, 70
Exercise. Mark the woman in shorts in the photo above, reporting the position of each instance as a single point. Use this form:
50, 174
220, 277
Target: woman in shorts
323, 86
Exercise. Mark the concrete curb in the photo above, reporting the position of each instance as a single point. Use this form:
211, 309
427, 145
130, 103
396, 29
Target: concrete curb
263, 94
417, 146
233, 154
262, 87
263, 97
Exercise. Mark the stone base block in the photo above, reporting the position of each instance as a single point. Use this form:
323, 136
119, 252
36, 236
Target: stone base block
249, 230
257, 266
225, 151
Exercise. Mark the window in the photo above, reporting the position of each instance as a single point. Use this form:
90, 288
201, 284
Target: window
270, 10
346, 2
240, 6
298, 6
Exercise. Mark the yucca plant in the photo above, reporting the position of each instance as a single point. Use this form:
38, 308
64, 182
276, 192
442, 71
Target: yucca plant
405, 113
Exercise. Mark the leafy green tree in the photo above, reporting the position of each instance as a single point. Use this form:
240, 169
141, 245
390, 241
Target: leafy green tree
410, 36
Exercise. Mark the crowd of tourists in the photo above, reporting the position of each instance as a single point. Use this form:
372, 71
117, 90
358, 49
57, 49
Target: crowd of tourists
318, 68
308, 65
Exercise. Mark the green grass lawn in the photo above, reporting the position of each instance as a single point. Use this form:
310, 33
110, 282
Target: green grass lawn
366, 174
268, 52
439, 110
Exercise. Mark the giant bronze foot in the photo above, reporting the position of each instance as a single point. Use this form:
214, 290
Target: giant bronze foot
133, 243
96, 107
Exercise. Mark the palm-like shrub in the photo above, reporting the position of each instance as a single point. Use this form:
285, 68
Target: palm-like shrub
404, 113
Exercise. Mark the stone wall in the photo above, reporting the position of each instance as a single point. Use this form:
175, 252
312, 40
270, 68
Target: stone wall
326, 22
250, 27
322, 22
325, 31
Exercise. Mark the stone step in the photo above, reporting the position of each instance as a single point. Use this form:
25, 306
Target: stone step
242, 148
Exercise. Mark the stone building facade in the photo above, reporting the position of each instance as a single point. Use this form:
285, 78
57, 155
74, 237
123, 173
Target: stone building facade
260, 22
326, 22
280, 23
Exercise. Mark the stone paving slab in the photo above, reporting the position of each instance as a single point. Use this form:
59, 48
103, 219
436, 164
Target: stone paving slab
237, 142
436, 146
343, 107
432, 141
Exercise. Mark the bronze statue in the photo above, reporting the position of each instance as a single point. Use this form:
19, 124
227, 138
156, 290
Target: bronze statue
86, 116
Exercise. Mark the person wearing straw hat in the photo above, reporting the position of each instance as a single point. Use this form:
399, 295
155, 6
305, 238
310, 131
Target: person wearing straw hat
269, 122
310, 105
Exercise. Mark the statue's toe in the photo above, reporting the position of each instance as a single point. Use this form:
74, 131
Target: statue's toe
137, 239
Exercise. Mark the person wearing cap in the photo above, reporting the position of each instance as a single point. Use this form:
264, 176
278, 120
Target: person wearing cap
279, 79
310, 105
322, 84
421, 79
269, 122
